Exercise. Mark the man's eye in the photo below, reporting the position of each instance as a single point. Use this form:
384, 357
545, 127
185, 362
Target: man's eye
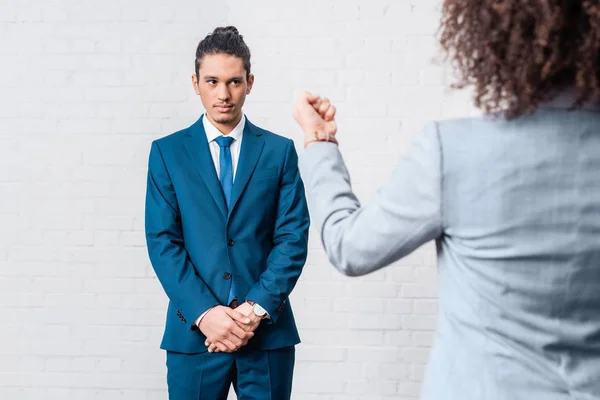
212, 82
236, 82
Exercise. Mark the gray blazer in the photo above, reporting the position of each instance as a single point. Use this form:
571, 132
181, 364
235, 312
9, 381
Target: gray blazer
514, 209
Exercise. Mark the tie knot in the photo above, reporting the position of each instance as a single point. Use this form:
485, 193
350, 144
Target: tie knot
224, 141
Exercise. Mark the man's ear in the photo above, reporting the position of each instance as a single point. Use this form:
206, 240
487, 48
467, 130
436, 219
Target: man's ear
250, 83
195, 84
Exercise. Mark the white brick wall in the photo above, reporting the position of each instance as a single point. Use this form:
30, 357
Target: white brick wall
85, 86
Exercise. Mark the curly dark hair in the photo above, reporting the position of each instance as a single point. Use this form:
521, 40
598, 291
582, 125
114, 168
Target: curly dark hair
520, 53
223, 40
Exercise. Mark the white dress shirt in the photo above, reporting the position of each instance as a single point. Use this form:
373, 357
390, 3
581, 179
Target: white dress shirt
215, 150
237, 134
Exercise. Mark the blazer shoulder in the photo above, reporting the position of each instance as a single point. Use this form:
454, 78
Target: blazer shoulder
272, 138
172, 138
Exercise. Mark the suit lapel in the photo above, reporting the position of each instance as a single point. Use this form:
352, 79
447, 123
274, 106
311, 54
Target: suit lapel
252, 145
197, 148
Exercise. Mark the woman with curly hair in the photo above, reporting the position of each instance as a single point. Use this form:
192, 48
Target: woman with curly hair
511, 199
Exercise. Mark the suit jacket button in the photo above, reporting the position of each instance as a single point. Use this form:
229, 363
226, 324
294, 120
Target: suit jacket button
227, 276
230, 242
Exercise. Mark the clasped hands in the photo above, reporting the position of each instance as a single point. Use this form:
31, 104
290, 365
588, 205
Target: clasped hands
227, 329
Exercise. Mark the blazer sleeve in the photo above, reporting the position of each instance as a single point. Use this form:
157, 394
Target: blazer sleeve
164, 238
404, 214
290, 238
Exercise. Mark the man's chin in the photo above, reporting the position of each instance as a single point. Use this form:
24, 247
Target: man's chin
224, 119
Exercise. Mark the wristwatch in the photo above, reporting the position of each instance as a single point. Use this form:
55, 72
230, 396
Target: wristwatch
257, 309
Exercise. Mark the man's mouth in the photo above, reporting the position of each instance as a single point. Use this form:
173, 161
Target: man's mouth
224, 107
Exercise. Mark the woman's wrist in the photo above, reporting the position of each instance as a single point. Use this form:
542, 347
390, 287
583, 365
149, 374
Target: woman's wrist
316, 136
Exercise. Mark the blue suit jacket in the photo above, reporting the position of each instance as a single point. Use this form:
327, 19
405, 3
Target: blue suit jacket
195, 244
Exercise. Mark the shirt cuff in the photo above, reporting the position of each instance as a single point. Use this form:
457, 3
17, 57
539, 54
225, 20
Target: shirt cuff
197, 321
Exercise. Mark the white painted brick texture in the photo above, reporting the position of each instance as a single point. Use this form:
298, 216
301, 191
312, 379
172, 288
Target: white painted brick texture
85, 86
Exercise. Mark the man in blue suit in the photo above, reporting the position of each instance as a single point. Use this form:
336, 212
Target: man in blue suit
227, 233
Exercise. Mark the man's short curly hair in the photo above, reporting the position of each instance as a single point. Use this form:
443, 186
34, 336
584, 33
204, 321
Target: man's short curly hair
520, 53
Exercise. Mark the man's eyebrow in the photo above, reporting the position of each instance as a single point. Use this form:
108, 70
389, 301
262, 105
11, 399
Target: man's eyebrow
210, 77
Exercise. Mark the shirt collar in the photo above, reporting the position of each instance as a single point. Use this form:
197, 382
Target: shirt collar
212, 132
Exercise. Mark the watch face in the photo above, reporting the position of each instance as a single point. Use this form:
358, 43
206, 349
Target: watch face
258, 310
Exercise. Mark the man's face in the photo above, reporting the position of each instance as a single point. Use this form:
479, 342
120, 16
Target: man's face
222, 86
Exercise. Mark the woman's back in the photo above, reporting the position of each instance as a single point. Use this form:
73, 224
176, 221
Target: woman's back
519, 259
513, 203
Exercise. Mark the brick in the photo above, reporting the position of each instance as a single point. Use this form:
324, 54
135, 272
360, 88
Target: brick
380, 322
95, 12
423, 339
409, 389
321, 386
29, 14
367, 305
426, 306
58, 364
419, 322
414, 356
372, 354
346, 338
417, 373
324, 321
313, 289
8, 14
160, 13
418, 291
30, 364
379, 387
133, 239
386, 289
350, 77
314, 353
401, 338
399, 306
386, 371
315, 305
109, 364
401, 274
107, 223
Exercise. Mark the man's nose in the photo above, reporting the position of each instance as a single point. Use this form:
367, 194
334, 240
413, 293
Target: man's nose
223, 93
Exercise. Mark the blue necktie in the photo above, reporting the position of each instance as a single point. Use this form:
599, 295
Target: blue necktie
226, 178
226, 175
